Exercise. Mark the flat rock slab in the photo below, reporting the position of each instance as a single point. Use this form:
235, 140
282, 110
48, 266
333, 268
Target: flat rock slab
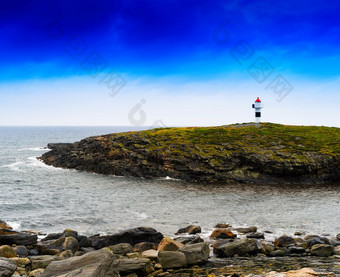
18, 239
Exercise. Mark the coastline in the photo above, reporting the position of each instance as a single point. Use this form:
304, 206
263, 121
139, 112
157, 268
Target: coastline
144, 251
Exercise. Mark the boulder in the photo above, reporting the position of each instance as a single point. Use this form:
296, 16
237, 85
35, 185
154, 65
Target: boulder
70, 243
256, 235
336, 250
21, 262
21, 251
36, 272
4, 225
66, 254
143, 246
7, 252
150, 254
191, 230
338, 236
277, 253
121, 249
131, 236
251, 229
313, 241
322, 250
334, 242
284, 241
296, 250
43, 261
7, 267
189, 239
196, 253
18, 239
222, 225
267, 248
239, 247
51, 247
222, 233
139, 266
93, 264
172, 259
168, 244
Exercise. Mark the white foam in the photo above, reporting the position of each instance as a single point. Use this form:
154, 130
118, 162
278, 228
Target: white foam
14, 166
33, 149
14, 224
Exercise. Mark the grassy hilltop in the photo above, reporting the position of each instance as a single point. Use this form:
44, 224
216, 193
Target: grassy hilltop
234, 153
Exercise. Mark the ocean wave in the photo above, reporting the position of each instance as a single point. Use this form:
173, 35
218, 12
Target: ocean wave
14, 166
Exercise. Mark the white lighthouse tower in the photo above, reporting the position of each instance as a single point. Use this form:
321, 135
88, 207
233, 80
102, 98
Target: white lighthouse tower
257, 106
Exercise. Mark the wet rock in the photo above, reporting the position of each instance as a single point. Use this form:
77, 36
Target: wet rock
313, 241
121, 249
334, 242
296, 250
18, 239
70, 243
222, 233
7, 267
150, 254
256, 235
84, 241
21, 262
251, 229
43, 261
189, 239
322, 250
7, 252
101, 263
222, 225
172, 259
277, 253
131, 236
4, 225
33, 252
239, 247
284, 241
168, 244
299, 233
196, 253
143, 246
21, 251
36, 272
191, 230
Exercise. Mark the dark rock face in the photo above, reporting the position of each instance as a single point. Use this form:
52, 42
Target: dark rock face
183, 154
131, 236
18, 239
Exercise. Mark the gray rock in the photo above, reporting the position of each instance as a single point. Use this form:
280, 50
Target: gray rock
314, 241
21, 251
277, 253
151, 254
18, 239
251, 229
196, 253
284, 241
141, 266
121, 248
43, 261
49, 247
256, 235
334, 242
172, 259
189, 239
101, 263
131, 236
33, 252
87, 249
7, 267
322, 250
239, 247
70, 243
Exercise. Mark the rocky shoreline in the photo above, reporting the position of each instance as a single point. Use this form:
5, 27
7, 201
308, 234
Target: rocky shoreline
143, 251
270, 154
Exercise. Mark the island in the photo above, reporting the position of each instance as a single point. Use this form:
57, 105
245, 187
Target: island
238, 153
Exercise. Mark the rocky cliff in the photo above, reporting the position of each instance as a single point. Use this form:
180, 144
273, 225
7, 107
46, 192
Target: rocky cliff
270, 153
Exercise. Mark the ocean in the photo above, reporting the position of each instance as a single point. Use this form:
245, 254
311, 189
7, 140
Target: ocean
34, 196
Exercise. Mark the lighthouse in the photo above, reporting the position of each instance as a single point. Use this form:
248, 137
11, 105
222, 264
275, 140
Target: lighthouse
257, 106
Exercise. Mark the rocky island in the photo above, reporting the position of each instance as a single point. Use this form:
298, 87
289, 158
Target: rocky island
269, 153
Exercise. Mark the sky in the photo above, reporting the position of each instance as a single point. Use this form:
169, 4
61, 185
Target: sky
169, 63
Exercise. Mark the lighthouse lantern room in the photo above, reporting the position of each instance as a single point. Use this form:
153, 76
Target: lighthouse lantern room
257, 106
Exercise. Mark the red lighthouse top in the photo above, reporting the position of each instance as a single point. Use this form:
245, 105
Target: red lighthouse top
258, 99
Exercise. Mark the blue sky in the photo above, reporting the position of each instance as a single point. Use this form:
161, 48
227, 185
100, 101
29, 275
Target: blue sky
181, 62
